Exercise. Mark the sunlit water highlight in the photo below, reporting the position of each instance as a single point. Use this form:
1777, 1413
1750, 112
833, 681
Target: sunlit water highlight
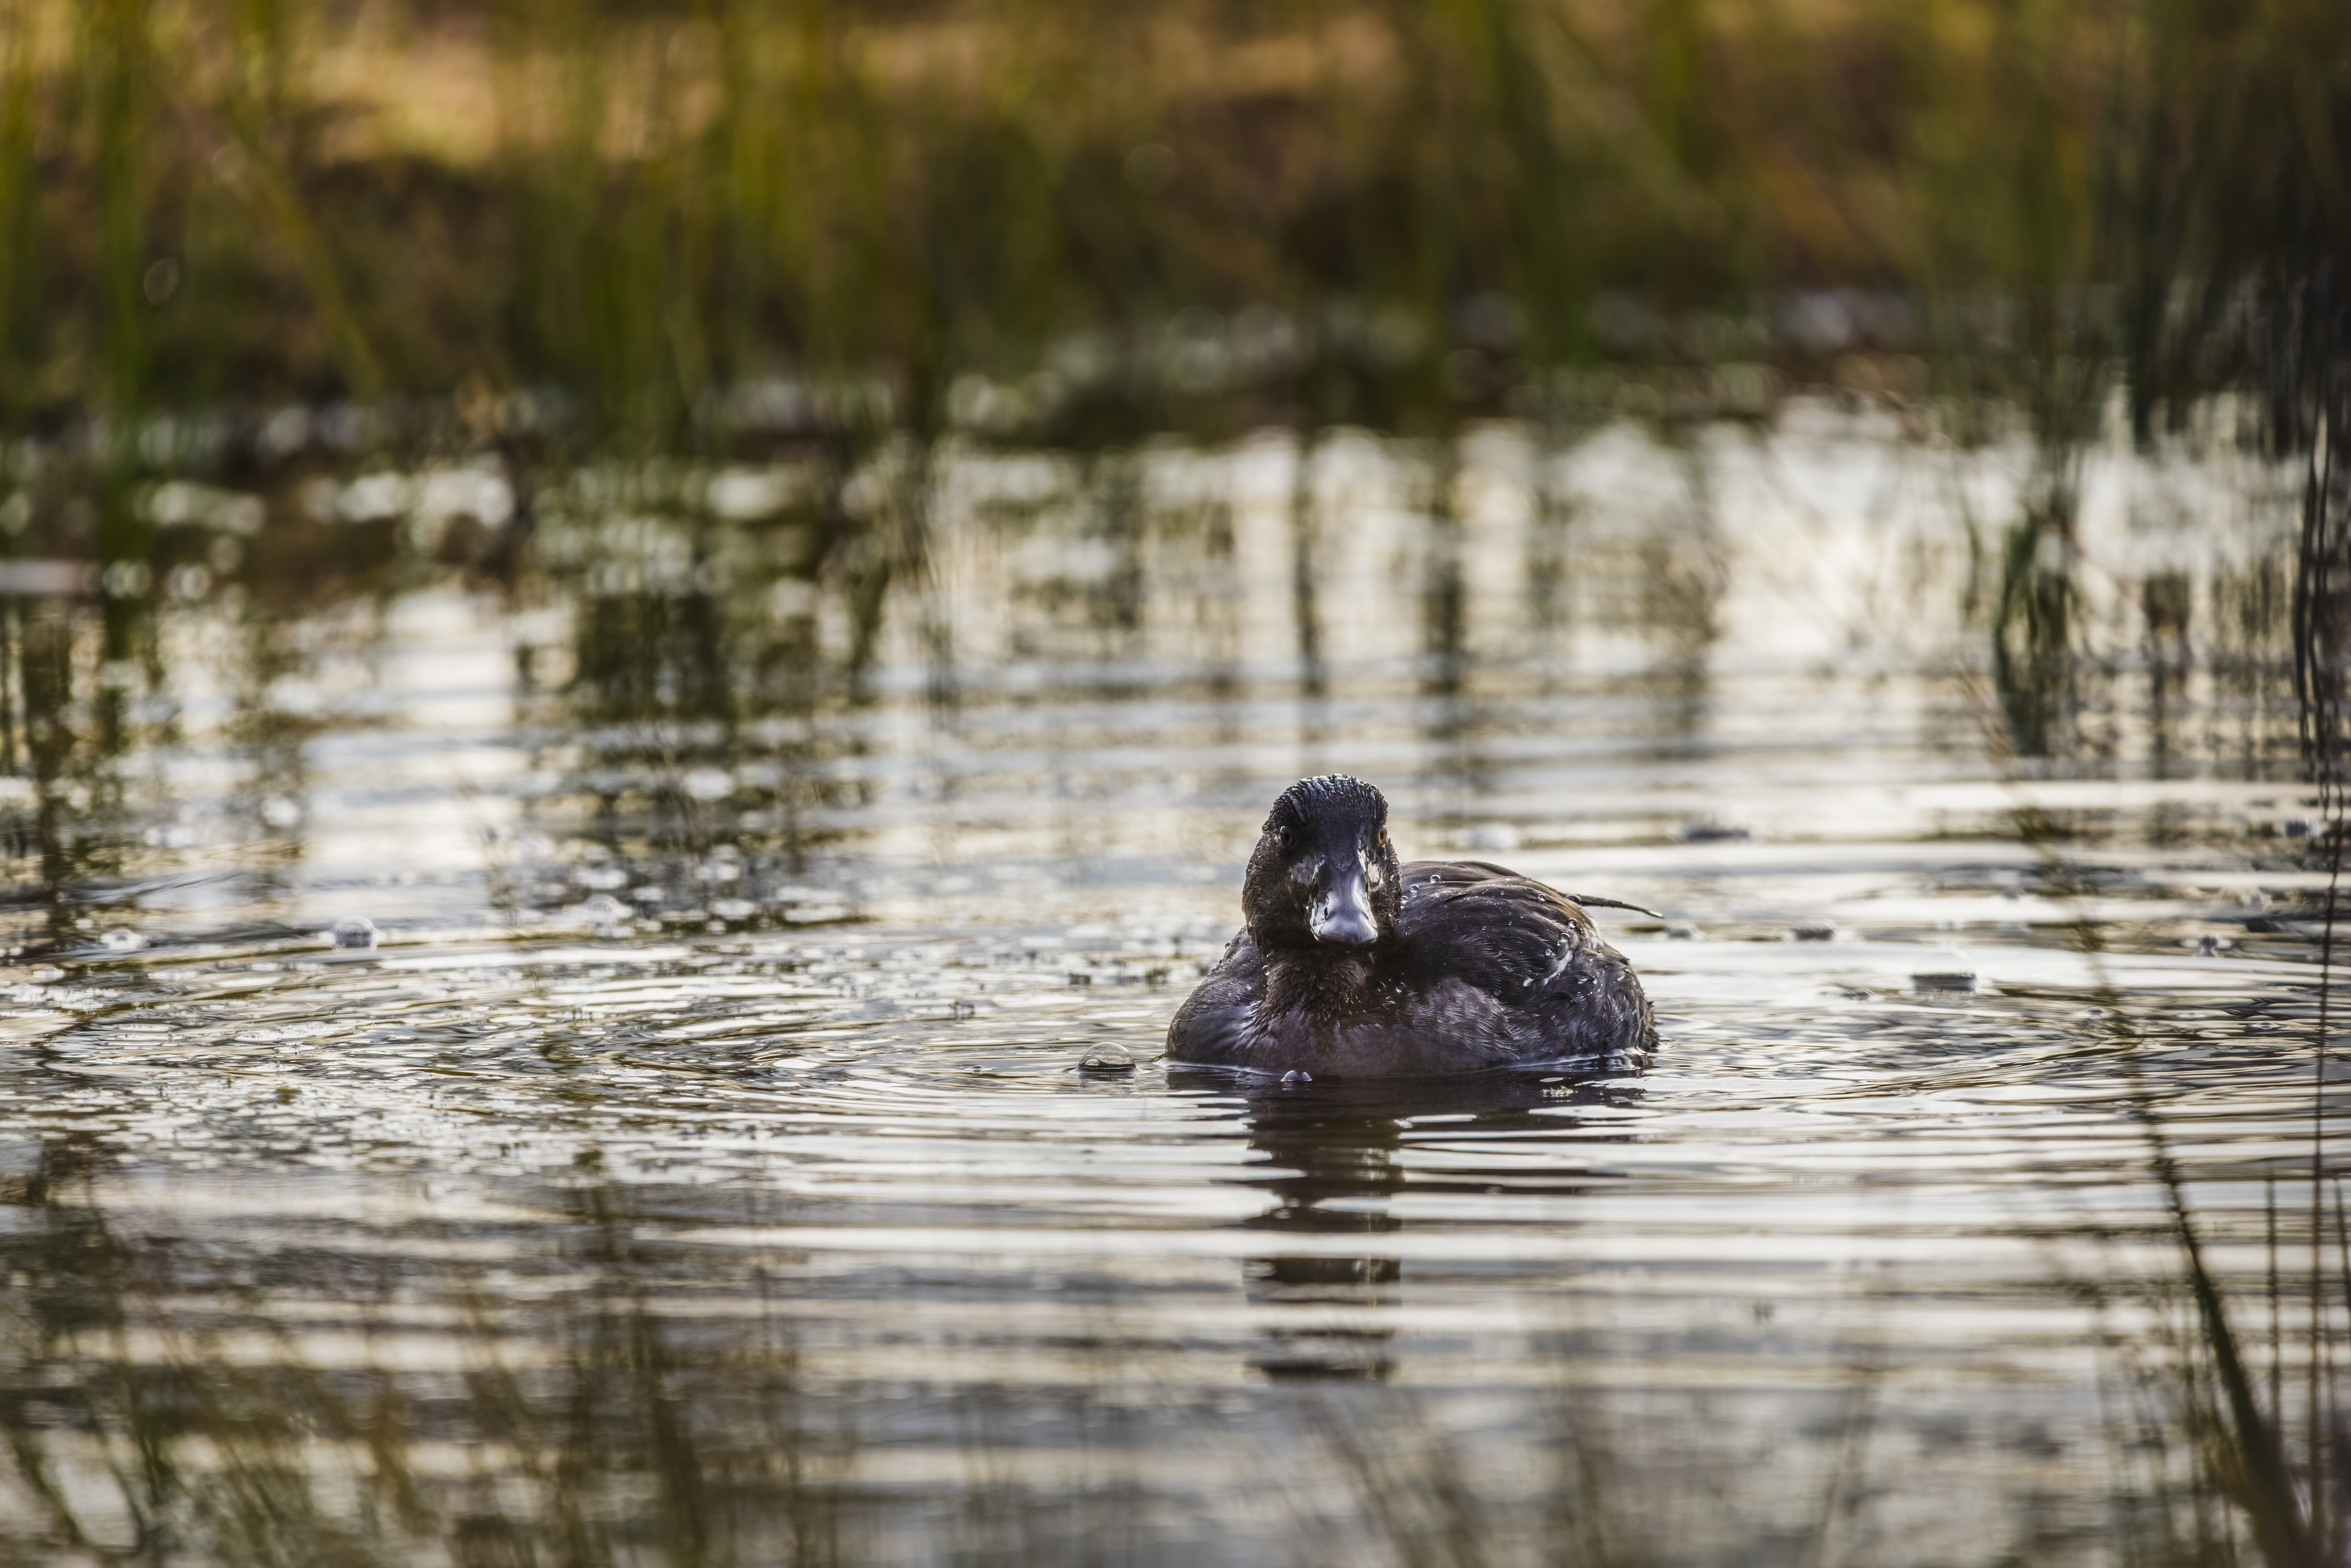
700, 1168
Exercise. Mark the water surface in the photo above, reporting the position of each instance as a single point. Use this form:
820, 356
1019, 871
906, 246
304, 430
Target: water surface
696, 1166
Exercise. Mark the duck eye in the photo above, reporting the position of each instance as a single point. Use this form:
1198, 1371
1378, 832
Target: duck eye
1281, 837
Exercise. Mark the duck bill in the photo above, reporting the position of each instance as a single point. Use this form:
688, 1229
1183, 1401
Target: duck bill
1341, 914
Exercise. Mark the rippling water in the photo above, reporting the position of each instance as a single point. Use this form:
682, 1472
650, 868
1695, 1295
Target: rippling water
691, 1159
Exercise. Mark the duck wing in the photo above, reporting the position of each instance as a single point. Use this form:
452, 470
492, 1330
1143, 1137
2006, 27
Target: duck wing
1209, 1027
1565, 991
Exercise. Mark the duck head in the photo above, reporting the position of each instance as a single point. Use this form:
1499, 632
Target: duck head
1324, 876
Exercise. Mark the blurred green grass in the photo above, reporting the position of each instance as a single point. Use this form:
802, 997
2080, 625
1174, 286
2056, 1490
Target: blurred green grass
642, 205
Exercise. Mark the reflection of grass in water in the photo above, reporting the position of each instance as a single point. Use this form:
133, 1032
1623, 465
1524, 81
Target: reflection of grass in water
163, 1393
2285, 1510
216, 1440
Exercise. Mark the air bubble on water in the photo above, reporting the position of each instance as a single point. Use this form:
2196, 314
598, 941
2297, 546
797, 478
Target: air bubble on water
358, 931
1948, 970
602, 909
1106, 1059
122, 939
1298, 1077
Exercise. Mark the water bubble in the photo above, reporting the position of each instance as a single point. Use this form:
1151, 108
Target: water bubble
1949, 971
1106, 1059
358, 931
1683, 931
602, 909
122, 939
1297, 1077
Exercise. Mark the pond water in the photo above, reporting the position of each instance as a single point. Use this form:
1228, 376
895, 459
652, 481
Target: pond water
682, 1155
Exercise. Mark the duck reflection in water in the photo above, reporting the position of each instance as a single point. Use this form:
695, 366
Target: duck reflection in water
1338, 1151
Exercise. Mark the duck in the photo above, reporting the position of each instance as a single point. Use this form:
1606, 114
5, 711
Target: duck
1354, 964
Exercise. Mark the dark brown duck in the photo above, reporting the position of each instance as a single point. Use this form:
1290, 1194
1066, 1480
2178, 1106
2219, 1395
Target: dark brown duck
1355, 966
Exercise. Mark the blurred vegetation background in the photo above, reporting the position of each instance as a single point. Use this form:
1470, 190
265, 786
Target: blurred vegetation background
1110, 218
